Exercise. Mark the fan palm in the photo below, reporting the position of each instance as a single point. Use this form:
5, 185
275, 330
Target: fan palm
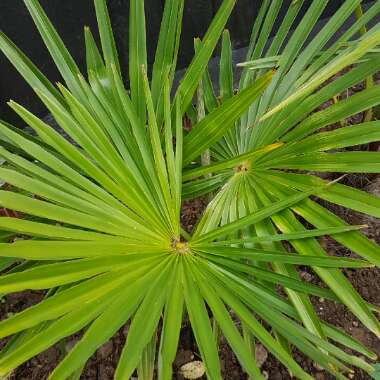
102, 232
268, 153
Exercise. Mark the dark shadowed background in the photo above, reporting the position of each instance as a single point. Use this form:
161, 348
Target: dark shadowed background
69, 17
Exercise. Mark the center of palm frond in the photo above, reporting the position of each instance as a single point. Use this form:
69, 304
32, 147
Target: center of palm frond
180, 247
243, 167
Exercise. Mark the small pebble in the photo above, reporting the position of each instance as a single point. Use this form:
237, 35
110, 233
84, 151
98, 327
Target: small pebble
193, 370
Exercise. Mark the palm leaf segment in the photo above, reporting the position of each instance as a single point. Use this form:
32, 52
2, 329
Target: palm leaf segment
104, 217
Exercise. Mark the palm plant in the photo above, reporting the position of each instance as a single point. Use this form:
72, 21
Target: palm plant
268, 154
102, 224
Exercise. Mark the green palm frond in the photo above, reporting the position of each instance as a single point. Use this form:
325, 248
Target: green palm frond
256, 165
